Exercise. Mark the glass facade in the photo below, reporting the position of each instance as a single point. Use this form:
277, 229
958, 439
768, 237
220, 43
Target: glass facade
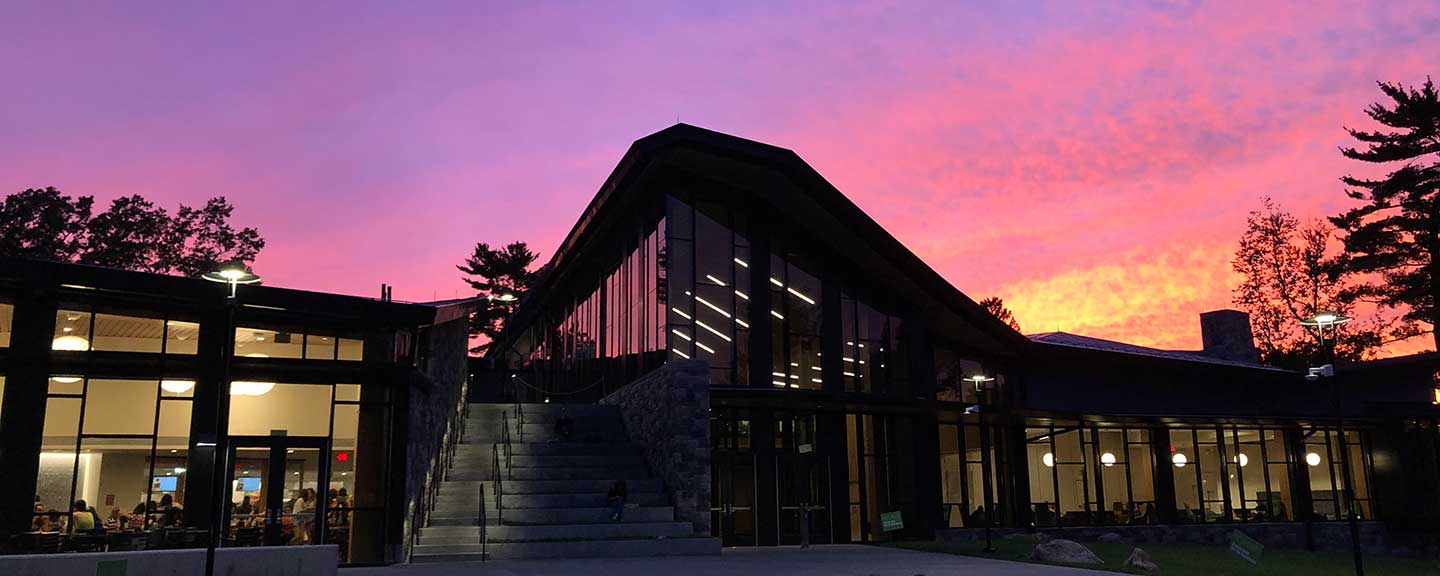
85, 331
253, 342
969, 473
707, 266
118, 446
1325, 460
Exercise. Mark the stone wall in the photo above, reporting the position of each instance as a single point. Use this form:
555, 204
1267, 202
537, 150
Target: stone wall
434, 395
667, 412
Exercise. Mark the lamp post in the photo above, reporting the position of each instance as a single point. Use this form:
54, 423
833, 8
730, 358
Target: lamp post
234, 274
1321, 320
980, 381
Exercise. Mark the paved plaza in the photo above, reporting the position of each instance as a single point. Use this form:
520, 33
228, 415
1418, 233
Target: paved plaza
838, 560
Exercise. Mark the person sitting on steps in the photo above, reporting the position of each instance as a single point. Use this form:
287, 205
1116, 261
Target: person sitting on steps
616, 499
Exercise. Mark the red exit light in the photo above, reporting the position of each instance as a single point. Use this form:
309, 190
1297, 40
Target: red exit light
342, 456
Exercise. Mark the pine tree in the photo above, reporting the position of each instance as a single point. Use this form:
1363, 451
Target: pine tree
1392, 243
997, 308
501, 276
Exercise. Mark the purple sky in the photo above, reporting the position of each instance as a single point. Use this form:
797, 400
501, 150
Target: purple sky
1093, 166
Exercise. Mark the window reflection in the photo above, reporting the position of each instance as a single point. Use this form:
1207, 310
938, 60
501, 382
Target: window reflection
796, 315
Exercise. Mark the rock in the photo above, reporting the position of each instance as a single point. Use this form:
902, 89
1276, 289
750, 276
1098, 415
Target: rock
1063, 551
1140, 561
1113, 538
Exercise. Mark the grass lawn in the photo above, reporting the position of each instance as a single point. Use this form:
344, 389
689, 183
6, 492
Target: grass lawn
1194, 560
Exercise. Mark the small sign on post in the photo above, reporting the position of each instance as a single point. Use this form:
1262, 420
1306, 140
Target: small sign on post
891, 521
1246, 547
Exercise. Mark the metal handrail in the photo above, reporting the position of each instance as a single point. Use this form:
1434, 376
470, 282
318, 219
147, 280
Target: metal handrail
499, 504
484, 527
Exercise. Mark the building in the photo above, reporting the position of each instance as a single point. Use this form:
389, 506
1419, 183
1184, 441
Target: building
856, 395
112, 384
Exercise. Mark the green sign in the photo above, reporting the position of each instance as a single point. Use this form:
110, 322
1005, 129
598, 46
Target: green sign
891, 521
1246, 547
111, 567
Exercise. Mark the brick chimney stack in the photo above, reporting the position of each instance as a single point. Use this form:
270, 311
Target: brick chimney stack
1226, 335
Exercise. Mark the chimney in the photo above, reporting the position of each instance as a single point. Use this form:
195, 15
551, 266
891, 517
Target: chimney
1226, 335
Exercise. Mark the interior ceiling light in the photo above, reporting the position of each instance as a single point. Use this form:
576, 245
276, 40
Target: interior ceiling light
70, 344
250, 388
800, 296
177, 386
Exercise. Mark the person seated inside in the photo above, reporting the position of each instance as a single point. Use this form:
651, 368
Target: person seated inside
41, 523
81, 519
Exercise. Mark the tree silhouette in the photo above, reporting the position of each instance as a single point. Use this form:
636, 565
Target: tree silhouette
132, 233
44, 224
1287, 276
501, 276
997, 308
1392, 243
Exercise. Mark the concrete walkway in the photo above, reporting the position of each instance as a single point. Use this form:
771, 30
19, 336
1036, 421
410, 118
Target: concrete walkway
838, 560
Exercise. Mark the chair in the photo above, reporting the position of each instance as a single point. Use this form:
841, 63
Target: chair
248, 536
47, 543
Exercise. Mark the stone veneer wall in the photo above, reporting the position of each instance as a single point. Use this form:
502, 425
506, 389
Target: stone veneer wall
434, 395
667, 412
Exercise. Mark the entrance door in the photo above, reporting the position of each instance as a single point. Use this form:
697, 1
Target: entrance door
732, 489
276, 491
803, 486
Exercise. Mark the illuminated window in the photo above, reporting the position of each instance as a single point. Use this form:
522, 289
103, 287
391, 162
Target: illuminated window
7, 314
1436, 399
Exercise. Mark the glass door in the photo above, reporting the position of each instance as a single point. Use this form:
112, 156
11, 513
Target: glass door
732, 509
803, 486
274, 488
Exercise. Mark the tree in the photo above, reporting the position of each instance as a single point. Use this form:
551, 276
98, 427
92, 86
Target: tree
996, 307
132, 234
1287, 277
200, 240
1392, 243
501, 276
43, 224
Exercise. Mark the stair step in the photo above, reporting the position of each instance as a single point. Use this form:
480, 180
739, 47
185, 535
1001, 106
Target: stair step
461, 535
597, 515
576, 473
512, 487
695, 546
470, 501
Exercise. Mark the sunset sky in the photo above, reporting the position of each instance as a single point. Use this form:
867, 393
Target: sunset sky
1091, 165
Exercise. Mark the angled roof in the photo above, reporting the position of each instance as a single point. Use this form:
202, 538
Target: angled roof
788, 183
1089, 343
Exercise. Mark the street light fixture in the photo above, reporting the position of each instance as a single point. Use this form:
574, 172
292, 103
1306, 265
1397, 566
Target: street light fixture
979, 380
233, 273
1321, 320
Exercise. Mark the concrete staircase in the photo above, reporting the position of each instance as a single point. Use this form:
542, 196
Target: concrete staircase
551, 492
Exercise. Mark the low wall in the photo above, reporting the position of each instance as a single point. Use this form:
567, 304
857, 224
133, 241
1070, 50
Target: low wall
257, 561
667, 412
1328, 535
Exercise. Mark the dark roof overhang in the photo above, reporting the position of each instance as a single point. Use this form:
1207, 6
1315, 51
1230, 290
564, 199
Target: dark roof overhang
781, 178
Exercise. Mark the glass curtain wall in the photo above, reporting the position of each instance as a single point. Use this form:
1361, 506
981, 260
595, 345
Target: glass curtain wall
1323, 460
964, 453
1259, 477
609, 330
874, 361
1061, 493
708, 271
78, 330
1125, 492
114, 447
1198, 460
872, 490
796, 315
